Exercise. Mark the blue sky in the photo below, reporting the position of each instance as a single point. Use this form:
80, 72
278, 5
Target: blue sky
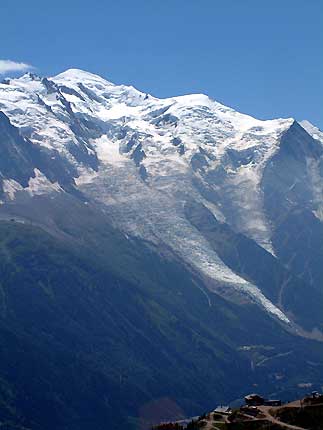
262, 57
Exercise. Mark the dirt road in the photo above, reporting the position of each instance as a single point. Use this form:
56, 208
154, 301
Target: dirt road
265, 410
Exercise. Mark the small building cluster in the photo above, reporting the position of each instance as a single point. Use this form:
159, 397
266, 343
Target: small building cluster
256, 411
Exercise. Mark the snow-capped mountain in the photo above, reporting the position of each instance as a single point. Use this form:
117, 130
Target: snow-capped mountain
152, 249
145, 161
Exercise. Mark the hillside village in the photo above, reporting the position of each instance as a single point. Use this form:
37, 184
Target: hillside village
259, 413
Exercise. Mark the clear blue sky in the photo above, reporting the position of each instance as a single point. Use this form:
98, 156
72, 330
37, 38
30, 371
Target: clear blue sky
262, 57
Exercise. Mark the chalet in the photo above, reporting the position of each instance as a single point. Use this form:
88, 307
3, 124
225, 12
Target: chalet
226, 410
254, 400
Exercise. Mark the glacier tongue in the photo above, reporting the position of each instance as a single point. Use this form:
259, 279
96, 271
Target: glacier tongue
154, 211
151, 156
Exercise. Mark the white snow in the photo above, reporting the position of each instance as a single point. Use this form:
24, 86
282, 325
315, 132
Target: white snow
107, 150
39, 185
10, 187
20, 101
314, 131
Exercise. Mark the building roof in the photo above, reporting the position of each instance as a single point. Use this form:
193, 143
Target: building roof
222, 409
253, 396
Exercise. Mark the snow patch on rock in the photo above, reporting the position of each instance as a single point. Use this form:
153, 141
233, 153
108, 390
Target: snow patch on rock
10, 187
311, 129
40, 184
